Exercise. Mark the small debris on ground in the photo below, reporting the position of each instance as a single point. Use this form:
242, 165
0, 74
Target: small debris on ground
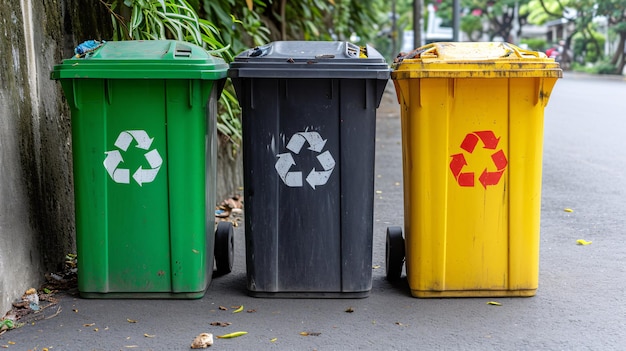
230, 209
35, 304
202, 341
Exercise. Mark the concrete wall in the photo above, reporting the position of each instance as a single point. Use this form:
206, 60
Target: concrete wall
36, 188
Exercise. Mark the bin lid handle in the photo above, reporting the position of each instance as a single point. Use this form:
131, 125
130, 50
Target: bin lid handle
519, 52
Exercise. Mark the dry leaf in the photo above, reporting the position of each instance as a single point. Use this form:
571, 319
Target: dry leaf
223, 308
221, 324
89, 325
251, 311
131, 320
310, 334
149, 335
494, 303
349, 309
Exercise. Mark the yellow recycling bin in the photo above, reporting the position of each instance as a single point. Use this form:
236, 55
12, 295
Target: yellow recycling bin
472, 139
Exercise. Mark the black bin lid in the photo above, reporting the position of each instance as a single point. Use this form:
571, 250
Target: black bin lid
310, 59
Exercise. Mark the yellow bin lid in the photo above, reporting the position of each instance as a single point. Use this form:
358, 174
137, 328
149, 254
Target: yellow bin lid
474, 60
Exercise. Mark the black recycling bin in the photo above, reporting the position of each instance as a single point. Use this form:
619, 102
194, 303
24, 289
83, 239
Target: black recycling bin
309, 123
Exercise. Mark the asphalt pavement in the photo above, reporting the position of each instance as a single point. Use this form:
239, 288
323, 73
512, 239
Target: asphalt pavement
580, 303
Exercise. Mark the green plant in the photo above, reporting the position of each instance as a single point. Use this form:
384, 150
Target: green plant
604, 67
177, 19
587, 47
536, 44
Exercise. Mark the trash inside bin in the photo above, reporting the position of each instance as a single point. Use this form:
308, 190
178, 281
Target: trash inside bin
472, 130
144, 152
309, 117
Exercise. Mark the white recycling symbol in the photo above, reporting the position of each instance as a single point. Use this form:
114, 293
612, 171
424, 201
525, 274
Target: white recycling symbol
114, 158
315, 177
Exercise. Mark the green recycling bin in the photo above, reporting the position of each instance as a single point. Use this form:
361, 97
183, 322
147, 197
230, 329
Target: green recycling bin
144, 152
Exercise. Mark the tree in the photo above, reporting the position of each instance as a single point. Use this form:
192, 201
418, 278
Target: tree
615, 12
502, 16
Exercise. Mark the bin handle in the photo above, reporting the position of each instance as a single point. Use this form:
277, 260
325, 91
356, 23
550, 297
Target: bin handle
258, 51
521, 53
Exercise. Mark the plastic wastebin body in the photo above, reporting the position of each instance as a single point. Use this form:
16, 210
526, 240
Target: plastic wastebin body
472, 129
144, 153
309, 117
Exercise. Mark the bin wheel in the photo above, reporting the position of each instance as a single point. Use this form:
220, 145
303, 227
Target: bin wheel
394, 253
224, 248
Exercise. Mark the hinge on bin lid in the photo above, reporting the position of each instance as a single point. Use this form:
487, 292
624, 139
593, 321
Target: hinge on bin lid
258, 51
182, 51
352, 50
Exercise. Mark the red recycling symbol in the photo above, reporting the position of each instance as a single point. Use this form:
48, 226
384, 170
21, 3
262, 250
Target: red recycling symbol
487, 177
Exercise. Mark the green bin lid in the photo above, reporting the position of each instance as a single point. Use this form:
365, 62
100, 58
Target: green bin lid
144, 59
474, 60
310, 59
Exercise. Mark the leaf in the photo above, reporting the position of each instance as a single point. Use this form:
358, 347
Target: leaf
494, 303
349, 310
568, 210
583, 242
310, 333
232, 335
149, 335
131, 320
222, 308
239, 309
89, 325
251, 311
273, 339
220, 324
249, 3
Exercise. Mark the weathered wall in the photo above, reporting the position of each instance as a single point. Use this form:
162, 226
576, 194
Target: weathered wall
36, 189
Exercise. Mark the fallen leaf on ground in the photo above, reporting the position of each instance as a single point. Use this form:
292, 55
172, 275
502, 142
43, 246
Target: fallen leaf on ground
251, 311
232, 335
221, 324
583, 242
273, 339
349, 310
131, 320
89, 325
239, 309
310, 334
149, 335
222, 308
494, 303
568, 210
